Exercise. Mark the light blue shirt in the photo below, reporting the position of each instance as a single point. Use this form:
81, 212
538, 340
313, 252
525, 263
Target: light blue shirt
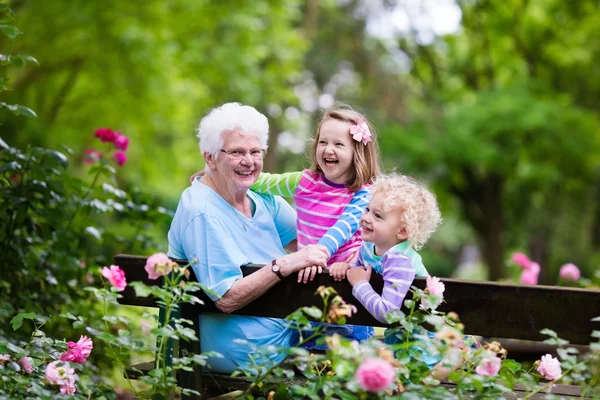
209, 230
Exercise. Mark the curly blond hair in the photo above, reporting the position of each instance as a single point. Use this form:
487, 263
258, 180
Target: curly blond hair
420, 212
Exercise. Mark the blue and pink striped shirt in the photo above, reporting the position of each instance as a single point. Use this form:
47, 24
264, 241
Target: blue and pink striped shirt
328, 213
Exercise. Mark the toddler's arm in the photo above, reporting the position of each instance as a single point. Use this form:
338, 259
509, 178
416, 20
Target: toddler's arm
347, 223
398, 275
277, 184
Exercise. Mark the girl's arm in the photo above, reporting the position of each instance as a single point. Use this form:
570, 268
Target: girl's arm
277, 184
398, 275
347, 223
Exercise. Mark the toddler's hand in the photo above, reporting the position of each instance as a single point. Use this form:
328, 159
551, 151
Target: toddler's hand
357, 274
338, 270
309, 273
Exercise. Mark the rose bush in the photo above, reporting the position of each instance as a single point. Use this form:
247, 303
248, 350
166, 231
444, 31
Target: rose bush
373, 369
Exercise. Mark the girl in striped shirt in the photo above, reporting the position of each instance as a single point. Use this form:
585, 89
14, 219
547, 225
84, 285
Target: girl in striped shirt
400, 217
331, 196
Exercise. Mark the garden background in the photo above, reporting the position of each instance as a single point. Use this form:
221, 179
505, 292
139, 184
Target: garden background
493, 103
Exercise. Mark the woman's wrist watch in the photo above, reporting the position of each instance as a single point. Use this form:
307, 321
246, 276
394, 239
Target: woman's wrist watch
277, 269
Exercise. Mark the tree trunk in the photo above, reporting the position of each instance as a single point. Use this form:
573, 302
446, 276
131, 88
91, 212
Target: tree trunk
493, 227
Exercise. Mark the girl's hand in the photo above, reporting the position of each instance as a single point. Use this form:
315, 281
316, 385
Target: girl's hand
199, 173
357, 274
338, 270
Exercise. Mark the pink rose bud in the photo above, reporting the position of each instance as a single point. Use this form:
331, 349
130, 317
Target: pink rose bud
105, 134
120, 158
115, 276
92, 156
375, 375
569, 272
529, 277
121, 141
489, 366
521, 260
549, 367
25, 364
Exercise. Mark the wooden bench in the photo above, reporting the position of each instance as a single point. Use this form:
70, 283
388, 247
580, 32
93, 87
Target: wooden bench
488, 309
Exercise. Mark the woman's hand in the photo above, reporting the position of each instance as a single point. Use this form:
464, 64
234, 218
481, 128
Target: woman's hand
309, 273
309, 256
338, 270
357, 274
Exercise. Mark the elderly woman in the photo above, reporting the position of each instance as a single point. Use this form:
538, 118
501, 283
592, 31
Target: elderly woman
221, 225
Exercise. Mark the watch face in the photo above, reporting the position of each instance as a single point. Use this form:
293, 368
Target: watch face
275, 268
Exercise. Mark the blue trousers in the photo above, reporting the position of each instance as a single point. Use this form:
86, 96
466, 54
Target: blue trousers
350, 332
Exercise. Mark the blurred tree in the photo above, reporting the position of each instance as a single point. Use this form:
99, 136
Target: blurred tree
150, 69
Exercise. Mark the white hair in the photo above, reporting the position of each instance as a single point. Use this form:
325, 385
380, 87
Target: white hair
231, 117
420, 212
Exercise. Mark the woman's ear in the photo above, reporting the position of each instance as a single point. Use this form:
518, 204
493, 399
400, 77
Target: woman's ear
210, 160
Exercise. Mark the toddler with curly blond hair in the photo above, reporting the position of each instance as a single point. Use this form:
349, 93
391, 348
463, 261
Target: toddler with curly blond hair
401, 215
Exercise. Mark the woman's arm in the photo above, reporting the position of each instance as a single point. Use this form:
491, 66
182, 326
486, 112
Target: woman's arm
398, 275
253, 286
347, 224
277, 184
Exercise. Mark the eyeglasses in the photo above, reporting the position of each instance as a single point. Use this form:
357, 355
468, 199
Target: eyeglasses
238, 154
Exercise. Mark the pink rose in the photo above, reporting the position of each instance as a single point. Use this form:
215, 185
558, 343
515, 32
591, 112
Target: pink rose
158, 265
120, 158
521, 260
78, 352
489, 366
67, 385
375, 375
569, 272
61, 375
115, 276
25, 363
435, 287
72, 355
105, 134
121, 141
92, 156
4, 357
549, 367
530, 276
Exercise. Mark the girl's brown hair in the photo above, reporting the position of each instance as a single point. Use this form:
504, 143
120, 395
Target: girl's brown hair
366, 156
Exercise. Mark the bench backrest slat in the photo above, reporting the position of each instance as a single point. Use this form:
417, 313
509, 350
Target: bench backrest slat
486, 308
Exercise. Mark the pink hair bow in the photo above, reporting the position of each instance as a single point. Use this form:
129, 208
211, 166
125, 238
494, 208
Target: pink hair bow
360, 132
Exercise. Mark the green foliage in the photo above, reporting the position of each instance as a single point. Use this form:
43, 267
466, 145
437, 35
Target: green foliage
53, 233
6, 19
150, 69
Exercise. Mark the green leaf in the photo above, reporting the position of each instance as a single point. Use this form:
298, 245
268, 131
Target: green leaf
313, 312
10, 31
549, 332
17, 320
141, 290
511, 365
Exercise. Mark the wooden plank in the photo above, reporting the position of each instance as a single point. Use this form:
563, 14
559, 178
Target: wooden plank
486, 308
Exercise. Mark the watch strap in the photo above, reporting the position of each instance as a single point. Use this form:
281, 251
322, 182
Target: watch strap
277, 270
